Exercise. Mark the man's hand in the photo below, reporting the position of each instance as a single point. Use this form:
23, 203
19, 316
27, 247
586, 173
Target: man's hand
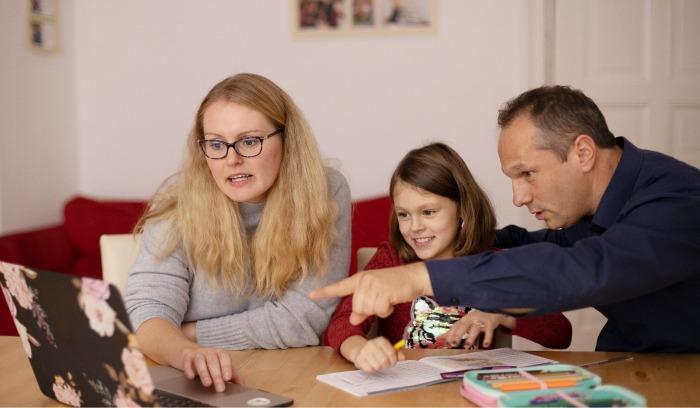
473, 324
376, 292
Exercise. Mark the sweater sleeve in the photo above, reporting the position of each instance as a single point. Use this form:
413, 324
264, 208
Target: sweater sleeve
157, 287
551, 330
294, 320
340, 328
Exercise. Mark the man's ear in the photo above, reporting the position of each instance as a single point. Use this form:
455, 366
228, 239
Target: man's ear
586, 151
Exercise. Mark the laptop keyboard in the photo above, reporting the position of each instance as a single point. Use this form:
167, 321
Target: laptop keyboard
167, 399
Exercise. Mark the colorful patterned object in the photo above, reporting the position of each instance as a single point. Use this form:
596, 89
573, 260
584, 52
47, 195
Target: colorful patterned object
91, 310
429, 321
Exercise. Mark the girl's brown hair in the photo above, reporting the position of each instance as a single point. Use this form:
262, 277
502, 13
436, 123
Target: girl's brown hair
438, 169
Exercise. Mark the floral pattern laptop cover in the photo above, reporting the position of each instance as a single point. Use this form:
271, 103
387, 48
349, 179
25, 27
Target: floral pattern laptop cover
88, 309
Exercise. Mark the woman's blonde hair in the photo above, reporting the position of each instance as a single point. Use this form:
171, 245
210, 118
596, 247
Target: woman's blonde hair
438, 169
297, 226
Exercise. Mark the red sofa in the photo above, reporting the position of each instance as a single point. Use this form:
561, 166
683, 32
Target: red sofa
73, 247
370, 225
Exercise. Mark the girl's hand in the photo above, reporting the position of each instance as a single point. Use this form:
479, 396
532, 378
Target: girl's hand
376, 355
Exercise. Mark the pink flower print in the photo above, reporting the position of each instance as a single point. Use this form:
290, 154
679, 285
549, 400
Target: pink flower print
17, 285
95, 288
41, 320
10, 302
65, 393
101, 316
137, 370
123, 400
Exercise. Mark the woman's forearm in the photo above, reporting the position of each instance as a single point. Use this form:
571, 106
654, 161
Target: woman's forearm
163, 342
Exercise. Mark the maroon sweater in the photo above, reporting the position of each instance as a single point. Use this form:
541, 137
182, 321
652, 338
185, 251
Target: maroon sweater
552, 330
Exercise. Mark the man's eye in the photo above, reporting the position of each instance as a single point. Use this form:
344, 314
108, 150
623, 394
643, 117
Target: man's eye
528, 174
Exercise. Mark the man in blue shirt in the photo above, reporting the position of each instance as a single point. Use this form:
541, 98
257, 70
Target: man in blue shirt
623, 234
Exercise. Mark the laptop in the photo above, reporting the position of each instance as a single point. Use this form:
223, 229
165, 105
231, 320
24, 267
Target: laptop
82, 349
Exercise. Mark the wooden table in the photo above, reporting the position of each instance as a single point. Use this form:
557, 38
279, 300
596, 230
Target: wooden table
664, 379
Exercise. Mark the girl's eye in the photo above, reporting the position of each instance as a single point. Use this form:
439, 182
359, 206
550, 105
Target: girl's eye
401, 215
429, 212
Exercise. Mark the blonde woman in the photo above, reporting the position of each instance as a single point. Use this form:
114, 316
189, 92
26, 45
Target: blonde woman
233, 244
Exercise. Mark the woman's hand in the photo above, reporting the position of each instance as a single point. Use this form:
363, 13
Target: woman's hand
190, 331
377, 354
473, 324
211, 365
168, 344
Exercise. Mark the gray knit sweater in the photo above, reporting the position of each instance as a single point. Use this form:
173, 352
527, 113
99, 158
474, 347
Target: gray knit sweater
171, 289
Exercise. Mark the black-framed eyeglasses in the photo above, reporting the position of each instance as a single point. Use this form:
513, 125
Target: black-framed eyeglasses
248, 146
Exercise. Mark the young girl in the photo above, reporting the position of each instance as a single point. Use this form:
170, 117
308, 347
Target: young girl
234, 243
439, 212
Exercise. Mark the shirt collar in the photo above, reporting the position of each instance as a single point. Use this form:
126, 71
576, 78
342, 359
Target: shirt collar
621, 185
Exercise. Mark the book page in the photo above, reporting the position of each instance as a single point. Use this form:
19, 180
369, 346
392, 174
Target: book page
405, 374
486, 358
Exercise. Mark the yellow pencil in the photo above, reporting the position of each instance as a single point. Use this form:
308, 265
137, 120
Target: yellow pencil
399, 344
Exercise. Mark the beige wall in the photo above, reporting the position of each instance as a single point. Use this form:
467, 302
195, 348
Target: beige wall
119, 98
38, 143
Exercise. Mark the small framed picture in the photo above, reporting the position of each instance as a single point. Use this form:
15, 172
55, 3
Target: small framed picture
320, 18
43, 35
46, 8
42, 25
322, 15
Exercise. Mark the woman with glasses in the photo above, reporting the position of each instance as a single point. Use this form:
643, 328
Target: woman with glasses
233, 244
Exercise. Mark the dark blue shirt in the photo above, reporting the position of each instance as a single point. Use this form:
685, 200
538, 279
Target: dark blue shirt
637, 260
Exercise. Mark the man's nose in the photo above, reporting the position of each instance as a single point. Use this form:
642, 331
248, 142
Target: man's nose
521, 195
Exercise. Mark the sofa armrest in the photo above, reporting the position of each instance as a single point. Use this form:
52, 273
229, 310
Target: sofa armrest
46, 248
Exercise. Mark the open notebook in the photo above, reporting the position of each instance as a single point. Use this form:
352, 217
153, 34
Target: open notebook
80, 345
428, 370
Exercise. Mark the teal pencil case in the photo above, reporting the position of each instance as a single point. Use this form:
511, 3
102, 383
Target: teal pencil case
542, 386
487, 387
600, 396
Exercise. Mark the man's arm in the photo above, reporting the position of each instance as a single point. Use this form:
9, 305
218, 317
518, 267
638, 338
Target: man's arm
656, 246
652, 248
513, 236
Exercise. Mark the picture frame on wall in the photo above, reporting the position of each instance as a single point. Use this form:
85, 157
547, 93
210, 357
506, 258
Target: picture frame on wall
42, 25
322, 18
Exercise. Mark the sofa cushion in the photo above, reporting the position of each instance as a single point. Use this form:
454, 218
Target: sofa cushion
89, 266
86, 220
46, 248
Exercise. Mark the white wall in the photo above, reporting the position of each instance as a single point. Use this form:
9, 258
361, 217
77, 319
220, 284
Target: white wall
38, 143
142, 67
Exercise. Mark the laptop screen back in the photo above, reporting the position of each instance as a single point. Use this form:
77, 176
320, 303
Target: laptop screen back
81, 347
